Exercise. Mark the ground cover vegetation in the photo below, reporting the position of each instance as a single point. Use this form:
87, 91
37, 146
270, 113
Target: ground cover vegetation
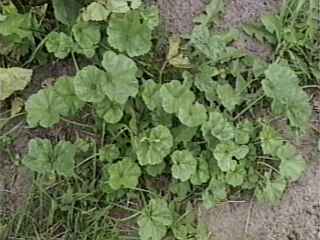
165, 131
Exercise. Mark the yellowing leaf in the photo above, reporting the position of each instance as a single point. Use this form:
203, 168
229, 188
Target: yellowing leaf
13, 79
174, 57
16, 106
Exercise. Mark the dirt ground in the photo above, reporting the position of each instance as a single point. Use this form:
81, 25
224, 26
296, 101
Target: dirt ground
298, 215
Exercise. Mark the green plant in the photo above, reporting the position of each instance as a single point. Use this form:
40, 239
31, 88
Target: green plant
192, 127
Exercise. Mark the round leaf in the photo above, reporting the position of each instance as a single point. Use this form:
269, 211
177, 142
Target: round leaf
154, 220
121, 82
228, 96
218, 126
292, 163
193, 115
201, 175
151, 95
184, 165
65, 89
225, 152
95, 12
152, 147
60, 44
37, 158
88, 82
45, 107
129, 33
64, 162
111, 112
86, 34
124, 174
175, 96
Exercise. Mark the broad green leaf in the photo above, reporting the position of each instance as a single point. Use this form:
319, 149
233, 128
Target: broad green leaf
175, 96
45, 107
272, 191
111, 112
228, 96
201, 175
121, 82
243, 132
183, 230
155, 170
66, 11
88, 52
214, 193
129, 33
95, 11
218, 126
60, 44
292, 163
13, 79
65, 89
87, 84
18, 26
155, 219
43, 158
251, 179
124, 174
183, 134
151, 16
180, 189
193, 115
282, 85
184, 165
151, 95
153, 146
271, 140
38, 157
87, 34
160, 117
236, 177
205, 83
214, 47
226, 153
273, 24
63, 163
109, 153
